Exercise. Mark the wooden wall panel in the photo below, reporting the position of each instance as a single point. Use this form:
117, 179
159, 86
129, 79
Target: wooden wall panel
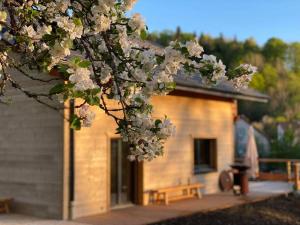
193, 117
31, 157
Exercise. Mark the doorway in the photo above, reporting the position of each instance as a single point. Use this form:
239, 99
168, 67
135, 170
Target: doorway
124, 176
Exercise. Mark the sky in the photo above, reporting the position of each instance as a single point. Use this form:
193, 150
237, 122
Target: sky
260, 19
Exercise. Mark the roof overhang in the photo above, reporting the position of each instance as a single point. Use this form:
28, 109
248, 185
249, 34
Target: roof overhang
222, 94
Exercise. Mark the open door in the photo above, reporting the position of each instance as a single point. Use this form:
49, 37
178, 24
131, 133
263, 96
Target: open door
124, 176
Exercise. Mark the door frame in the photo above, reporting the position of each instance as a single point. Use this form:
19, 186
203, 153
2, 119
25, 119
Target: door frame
140, 174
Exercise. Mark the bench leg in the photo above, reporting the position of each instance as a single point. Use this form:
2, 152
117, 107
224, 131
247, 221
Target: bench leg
152, 198
185, 192
199, 194
158, 199
6, 206
166, 199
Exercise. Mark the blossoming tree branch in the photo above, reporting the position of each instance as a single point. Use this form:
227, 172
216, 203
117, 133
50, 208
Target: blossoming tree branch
91, 50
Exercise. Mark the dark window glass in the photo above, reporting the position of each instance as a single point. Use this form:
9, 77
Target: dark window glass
205, 155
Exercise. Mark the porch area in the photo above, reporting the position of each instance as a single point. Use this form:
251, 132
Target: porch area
138, 215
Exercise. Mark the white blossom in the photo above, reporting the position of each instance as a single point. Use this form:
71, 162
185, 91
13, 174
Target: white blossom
58, 52
128, 4
37, 35
167, 129
81, 77
102, 23
124, 40
3, 16
57, 6
148, 60
219, 69
62, 5
29, 30
86, 115
245, 78
45, 30
173, 61
106, 74
163, 77
75, 31
137, 23
194, 48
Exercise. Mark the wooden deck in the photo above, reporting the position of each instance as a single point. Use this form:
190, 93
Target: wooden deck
144, 215
138, 215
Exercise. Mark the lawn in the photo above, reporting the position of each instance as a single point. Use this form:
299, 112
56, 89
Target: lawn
275, 211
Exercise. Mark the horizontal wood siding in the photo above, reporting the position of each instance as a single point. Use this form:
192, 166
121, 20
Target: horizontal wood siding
193, 117
91, 167
31, 154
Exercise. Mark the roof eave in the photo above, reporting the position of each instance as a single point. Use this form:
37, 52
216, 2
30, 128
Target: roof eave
222, 94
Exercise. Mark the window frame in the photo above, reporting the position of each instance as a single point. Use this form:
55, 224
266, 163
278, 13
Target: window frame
213, 166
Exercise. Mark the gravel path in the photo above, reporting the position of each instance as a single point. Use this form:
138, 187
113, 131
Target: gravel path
277, 211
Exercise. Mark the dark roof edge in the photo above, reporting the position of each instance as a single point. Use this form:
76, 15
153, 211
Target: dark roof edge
222, 94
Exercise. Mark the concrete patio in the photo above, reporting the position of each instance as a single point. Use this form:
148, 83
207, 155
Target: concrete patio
138, 215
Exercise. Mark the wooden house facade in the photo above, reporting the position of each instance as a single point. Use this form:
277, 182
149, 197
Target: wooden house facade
54, 172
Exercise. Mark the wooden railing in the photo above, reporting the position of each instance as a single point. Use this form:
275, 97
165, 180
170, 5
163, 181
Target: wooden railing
292, 173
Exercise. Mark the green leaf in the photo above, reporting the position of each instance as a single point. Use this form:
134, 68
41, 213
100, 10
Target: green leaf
93, 100
118, 130
184, 51
160, 59
48, 37
78, 94
84, 64
95, 91
144, 34
57, 89
75, 122
171, 85
77, 22
138, 100
63, 70
76, 60
157, 122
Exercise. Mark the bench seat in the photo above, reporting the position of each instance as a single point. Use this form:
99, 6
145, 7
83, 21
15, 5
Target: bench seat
166, 195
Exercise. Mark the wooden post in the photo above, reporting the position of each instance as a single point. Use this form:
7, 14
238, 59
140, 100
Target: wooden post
289, 170
297, 176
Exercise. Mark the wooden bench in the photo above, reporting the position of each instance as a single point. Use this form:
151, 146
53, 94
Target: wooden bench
166, 195
5, 205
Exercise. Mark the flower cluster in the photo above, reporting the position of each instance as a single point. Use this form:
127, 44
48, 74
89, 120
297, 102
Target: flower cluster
99, 54
194, 48
214, 69
245, 72
86, 115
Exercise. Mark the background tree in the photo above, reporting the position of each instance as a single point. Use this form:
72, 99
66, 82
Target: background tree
278, 76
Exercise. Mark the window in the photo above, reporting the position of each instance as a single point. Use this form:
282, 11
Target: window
205, 155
